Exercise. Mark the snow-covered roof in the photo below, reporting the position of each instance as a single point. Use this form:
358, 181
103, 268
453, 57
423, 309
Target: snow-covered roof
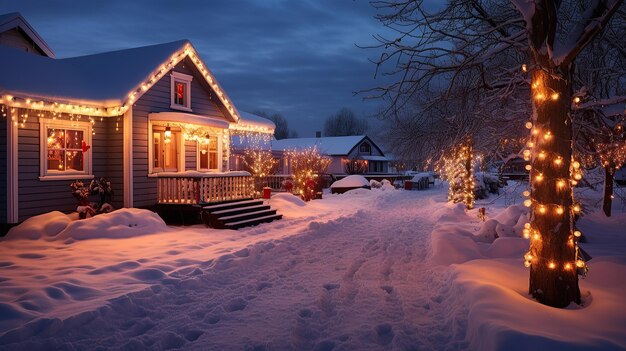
341, 145
374, 158
106, 78
12, 20
112, 79
249, 119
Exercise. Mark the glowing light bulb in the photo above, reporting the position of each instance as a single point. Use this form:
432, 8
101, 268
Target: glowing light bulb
542, 155
539, 177
558, 161
524, 68
542, 209
577, 100
552, 265
576, 208
526, 193
578, 176
580, 263
576, 164
567, 266
528, 167
534, 131
527, 225
527, 203
560, 184
559, 210
577, 233
554, 96
529, 125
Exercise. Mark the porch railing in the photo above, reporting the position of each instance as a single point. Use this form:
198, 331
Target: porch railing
203, 188
274, 181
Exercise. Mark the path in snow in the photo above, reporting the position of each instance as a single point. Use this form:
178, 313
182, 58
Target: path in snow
356, 282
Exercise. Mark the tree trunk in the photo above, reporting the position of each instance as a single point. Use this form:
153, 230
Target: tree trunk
553, 275
609, 173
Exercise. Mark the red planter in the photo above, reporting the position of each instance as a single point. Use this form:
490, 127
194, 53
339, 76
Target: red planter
267, 192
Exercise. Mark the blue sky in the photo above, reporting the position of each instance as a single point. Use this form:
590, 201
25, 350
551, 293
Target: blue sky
295, 57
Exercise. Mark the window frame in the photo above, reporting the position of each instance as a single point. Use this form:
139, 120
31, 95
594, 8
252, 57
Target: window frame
219, 154
180, 152
369, 148
86, 128
177, 77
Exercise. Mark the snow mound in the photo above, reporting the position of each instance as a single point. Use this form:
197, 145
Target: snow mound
46, 225
351, 181
288, 205
386, 185
503, 316
123, 223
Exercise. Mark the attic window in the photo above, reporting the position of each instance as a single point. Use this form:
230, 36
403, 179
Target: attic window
181, 91
365, 148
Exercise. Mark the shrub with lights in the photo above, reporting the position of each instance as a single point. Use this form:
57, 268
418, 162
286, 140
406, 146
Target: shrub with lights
307, 165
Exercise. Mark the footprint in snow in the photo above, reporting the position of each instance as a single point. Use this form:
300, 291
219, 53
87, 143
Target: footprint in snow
263, 285
237, 304
331, 286
305, 313
388, 289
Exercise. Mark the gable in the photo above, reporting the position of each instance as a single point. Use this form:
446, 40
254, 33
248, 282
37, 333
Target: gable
16, 32
203, 99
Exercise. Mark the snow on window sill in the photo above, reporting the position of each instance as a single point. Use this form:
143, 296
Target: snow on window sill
66, 177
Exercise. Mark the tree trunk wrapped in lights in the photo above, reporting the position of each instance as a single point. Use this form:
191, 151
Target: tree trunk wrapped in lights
553, 252
459, 172
307, 165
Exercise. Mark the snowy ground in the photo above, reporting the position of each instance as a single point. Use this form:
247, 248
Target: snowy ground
367, 270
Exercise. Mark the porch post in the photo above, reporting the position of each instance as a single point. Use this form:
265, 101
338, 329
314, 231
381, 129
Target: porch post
12, 166
128, 157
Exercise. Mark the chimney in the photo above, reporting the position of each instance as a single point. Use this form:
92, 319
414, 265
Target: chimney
318, 134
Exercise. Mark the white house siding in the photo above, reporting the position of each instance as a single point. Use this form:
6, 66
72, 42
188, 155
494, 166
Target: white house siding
157, 99
36, 196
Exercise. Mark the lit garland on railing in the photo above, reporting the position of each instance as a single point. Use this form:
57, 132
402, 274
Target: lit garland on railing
541, 160
94, 108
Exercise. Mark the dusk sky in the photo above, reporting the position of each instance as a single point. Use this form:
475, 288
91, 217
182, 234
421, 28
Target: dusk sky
297, 58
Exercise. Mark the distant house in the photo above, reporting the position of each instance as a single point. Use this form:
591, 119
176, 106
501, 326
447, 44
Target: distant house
342, 150
153, 120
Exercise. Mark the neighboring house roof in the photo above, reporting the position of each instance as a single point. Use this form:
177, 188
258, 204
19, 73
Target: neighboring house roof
341, 145
15, 20
113, 80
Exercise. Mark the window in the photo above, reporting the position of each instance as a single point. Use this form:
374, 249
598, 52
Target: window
365, 148
208, 154
165, 149
181, 91
65, 148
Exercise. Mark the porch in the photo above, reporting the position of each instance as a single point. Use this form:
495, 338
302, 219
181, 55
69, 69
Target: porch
219, 200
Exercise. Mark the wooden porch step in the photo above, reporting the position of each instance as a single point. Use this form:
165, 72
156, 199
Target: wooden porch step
253, 221
246, 215
238, 210
238, 214
231, 204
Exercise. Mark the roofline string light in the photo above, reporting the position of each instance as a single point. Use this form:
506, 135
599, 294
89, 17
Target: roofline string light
97, 109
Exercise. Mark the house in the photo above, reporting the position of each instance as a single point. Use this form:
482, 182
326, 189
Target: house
343, 150
153, 120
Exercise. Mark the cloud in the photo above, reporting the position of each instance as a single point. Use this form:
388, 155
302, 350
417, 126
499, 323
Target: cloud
297, 58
